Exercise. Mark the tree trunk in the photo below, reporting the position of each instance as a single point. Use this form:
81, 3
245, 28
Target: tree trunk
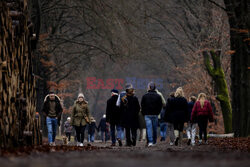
217, 74
18, 124
239, 20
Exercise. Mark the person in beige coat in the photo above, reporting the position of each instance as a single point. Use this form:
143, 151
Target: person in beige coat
80, 117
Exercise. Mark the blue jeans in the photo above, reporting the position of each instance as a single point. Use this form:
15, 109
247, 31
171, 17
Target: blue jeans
122, 133
151, 126
91, 137
119, 133
163, 130
51, 125
104, 138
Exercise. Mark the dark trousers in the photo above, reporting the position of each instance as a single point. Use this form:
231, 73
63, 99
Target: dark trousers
80, 133
179, 126
202, 123
129, 132
68, 135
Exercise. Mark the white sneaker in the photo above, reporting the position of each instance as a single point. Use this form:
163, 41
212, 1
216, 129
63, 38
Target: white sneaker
150, 144
81, 145
200, 142
193, 144
171, 143
52, 144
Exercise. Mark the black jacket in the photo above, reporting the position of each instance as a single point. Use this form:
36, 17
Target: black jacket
151, 103
130, 111
91, 128
59, 109
176, 110
190, 108
113, 113
102, 124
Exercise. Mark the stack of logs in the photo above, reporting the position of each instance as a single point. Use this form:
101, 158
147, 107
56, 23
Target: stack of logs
19, 124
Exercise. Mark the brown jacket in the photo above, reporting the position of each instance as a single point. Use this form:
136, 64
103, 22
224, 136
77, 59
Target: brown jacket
80, 114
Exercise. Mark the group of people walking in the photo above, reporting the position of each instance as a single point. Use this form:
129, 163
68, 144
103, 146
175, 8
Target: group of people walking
124, 111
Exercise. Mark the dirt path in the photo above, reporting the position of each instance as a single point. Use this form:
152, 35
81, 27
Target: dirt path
160, 155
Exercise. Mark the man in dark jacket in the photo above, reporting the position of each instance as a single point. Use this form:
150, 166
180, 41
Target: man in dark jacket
130, 108
113, 115
151, 104
52, 111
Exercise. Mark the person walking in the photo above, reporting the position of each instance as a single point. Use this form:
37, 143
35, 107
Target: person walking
80, 118
191, 125
52, 110
113, 118
178, 108
163, 125
162, 122
168, 117
202, 112
130, 108
68, 128
142, 127
91, 130
151, 105
103, 127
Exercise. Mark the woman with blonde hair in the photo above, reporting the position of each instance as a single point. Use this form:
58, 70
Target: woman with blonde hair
177, 113
80, 118
202, 112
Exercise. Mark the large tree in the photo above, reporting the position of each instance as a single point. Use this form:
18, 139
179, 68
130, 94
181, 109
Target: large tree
239, 20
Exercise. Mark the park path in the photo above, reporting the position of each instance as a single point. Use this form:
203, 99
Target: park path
160, 155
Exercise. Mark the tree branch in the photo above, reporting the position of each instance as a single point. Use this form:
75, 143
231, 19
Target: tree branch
209, 68
218, 5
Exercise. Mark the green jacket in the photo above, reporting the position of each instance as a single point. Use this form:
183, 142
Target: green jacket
80, 113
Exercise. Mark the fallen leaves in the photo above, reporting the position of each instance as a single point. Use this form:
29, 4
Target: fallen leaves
227, 144
22, 151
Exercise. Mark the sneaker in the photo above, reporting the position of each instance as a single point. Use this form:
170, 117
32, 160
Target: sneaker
171, 143
193, 144
52, 144
150, 144
189, 141
81, 144
206, 142
176, 141
120, 142
200, 142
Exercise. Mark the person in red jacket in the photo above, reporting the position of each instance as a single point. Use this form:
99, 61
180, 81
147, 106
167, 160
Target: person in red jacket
202, 113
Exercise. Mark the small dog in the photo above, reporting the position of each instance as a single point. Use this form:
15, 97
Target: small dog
65, 140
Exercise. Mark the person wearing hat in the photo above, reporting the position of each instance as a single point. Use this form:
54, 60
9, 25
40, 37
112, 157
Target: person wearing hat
151, 104
68, 128
130, 108
52, 110
113, 117
80, 117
